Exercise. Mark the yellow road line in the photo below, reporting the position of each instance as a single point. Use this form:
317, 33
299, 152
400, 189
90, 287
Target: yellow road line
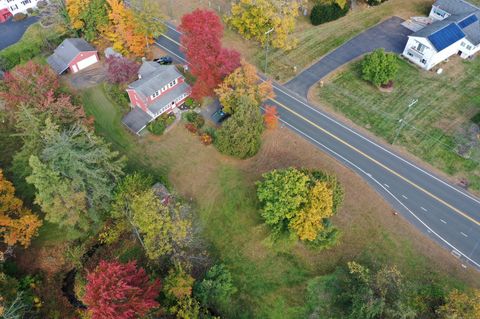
378, 163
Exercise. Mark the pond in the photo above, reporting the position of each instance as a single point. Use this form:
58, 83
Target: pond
11, 31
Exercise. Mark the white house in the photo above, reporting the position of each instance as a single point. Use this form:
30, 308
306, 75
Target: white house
11, 7
455, 29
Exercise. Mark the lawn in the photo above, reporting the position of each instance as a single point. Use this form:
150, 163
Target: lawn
445, 103
272, 277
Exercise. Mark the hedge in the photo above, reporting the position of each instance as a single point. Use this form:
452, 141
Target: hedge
322, 13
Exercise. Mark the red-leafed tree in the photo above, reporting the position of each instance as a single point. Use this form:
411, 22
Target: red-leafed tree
62, 110
208, 61
270, 117
121, 70
29, 83
120, 291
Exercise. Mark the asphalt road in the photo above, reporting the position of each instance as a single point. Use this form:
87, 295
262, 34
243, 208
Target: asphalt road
390, 35
11, 32
445, 213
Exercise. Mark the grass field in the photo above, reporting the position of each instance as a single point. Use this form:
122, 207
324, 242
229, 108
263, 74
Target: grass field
445, 103
272, 278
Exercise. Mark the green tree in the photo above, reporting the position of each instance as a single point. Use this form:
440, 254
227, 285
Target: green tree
74, 176
461, 305
379, 67
178, 284
216, 289
240, 135
282, 193
187, 308
163, 229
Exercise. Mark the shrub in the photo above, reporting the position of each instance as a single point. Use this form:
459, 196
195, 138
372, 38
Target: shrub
216, 289
118, 95
322, 13
191, 103
19, 16
157, 127
194, 118
375, 2
191, 127
379, 67
29, 10
206, 139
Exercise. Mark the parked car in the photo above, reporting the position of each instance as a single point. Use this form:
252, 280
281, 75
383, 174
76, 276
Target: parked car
219, 116
164, 60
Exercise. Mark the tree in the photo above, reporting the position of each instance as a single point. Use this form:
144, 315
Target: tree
216, 289
124, 31
74, 176
271, 117
162, 227
89, 17
17, 223
243, 82
187, 308
61, 110
121, 70
240, 135
30, 83
461, 305
379, 67
326, 12
282, 193
148, 16
209, 62
308, 222
178, 284
253, 18
120, 291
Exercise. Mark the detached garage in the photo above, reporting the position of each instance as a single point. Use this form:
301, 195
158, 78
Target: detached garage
74, 55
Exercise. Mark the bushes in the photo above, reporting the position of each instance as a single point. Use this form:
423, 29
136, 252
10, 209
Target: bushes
322, 13
159, 126
375, 2
191, 103
195, 119
118, 95
19, 16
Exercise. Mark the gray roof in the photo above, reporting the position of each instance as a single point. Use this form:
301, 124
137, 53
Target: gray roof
66, 52
459, 10
456, 6
136, 120
153, 76
168, 97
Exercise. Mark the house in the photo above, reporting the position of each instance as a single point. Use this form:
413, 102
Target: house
73, 55
159, 89
9, 8
455, 29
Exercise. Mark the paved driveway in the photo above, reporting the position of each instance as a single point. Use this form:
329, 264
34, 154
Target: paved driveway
88, 77
11, 32
389, 34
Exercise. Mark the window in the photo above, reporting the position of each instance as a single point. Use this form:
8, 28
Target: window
171, 84
424, 61
420, 47
469, 47
439, 12
462, 44
164, 88
154, 95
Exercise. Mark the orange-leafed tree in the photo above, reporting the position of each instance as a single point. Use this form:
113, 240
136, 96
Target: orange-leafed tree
17, 223
124, 31
270, 117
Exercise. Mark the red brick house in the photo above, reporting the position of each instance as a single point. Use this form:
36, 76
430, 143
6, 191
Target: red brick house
73, 55
159, 89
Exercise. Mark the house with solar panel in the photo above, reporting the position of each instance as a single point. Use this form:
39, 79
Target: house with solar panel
454, 29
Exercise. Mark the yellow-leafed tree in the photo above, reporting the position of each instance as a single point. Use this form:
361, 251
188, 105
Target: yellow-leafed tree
17, 223
243, 82
308, 222
75, 9
461, 305
254, 18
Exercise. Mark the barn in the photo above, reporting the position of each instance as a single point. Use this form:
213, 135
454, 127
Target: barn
73, 55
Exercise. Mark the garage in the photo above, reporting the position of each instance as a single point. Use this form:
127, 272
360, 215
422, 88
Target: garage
87, 62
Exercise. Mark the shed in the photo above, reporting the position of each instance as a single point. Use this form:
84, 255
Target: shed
73, 54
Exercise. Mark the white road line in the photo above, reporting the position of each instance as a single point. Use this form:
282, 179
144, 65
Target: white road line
423, 208
429, 230
404, 196
443, 221
377, 145
465, 235
368, 174
386, 185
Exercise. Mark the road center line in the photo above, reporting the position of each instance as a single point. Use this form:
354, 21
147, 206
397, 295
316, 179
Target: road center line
443, 221
423, 208
404, 196
465, 235
387, 185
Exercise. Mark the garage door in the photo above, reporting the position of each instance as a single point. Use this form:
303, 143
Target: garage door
87, 62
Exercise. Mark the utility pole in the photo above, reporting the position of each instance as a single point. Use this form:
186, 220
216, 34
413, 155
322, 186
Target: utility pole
266, 48
402, 120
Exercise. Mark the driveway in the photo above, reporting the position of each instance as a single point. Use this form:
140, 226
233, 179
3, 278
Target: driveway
88, 77
11, 32
390, 35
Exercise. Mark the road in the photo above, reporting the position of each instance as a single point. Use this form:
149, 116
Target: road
389, 35
445, 213
11, 31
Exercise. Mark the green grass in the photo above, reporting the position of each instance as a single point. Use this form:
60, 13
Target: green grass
444, 104
271, 277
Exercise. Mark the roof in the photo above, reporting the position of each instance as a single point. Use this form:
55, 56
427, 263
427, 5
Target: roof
153, 76
168, 97
66, 52
456, 6
446, 36
471, 27
136, 120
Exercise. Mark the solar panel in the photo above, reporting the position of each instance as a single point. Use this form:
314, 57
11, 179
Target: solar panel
446, 36
468, 21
